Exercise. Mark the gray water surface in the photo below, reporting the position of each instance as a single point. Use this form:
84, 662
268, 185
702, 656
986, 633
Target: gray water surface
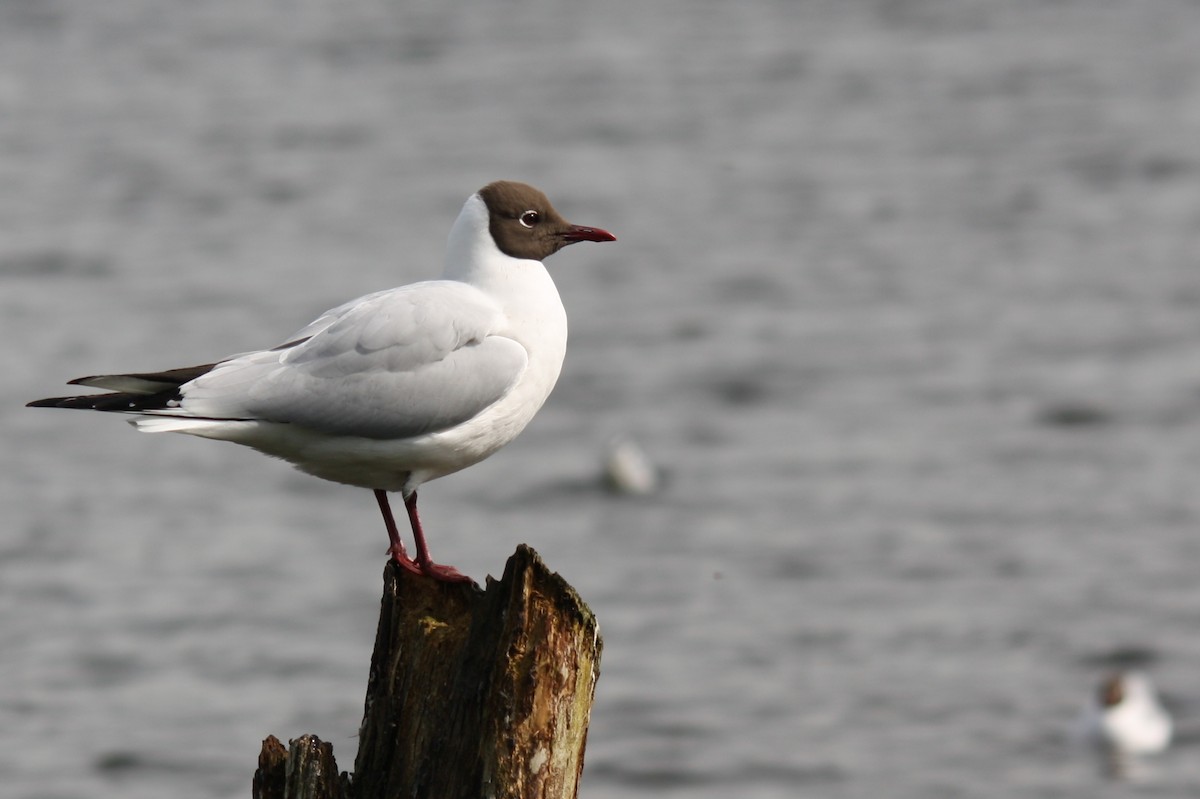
906, 303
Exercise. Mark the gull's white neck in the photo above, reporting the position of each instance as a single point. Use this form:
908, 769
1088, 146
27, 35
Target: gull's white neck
522, 287
470, 248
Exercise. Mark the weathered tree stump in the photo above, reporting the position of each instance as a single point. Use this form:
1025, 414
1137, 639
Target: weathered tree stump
305, 769
472, 693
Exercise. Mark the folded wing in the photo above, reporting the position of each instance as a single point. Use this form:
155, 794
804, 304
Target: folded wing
393, 364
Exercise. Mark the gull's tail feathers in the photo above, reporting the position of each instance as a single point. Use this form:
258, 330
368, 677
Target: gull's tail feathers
182, 424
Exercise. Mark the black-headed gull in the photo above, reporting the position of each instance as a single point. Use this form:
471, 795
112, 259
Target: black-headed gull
395, 388
1125, 717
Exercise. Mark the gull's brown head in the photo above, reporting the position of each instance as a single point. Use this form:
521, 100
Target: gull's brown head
524, 224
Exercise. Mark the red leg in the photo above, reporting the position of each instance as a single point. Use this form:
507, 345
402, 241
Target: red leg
435, 570
397, 546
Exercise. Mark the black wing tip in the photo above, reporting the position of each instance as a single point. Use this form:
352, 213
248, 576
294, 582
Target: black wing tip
49, 402
90, 402
66, 402
118, 402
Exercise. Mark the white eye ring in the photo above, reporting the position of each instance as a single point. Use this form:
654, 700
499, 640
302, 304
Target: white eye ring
529, 219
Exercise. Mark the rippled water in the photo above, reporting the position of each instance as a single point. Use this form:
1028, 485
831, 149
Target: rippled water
906, 303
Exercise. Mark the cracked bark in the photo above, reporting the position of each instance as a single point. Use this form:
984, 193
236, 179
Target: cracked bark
472, 693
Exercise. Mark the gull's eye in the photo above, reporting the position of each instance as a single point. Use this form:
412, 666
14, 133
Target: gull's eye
529, 218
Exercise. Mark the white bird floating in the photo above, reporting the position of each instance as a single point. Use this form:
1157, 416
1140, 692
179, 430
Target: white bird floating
629, 470
1124, 719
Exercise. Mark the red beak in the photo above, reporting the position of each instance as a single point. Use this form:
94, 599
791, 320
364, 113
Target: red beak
580, 233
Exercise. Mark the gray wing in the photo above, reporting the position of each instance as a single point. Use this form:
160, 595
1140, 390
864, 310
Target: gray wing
333, 315
394, 364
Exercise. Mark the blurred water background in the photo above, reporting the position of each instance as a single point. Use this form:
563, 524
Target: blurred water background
906, 304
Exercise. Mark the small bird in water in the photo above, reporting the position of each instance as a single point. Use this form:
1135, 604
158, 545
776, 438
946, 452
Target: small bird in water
628, 470
1125, 718
396, 388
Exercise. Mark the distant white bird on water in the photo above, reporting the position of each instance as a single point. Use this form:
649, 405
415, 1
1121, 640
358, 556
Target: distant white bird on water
629, 470
1125, 717
395, 388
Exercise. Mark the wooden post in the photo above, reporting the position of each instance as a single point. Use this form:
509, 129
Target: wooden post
471, 694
